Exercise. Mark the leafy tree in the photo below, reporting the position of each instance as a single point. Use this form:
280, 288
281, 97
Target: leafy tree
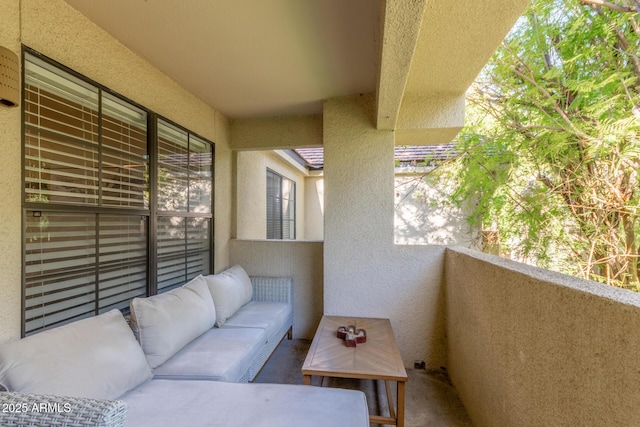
551, 148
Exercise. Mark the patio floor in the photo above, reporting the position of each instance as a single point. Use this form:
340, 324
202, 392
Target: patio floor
430, 399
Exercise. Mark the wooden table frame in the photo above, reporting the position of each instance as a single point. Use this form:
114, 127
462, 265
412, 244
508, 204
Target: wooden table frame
377, 359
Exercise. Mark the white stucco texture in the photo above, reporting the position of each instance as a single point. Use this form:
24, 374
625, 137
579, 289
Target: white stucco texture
528, 346
302, 261
10, 185
365, 274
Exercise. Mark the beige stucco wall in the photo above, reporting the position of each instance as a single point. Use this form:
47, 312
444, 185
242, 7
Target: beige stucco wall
56, 30
10, 186
314, 206
252, 192
423, 215
529, 347
275, 133
302, 261
365, 274
224, 186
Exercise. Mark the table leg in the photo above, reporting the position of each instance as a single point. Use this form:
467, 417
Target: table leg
307, 380
392, 412
400, 419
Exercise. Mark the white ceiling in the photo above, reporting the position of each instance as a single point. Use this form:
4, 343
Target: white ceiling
252, 58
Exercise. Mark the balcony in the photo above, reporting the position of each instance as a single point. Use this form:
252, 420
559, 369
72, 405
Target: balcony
521, 345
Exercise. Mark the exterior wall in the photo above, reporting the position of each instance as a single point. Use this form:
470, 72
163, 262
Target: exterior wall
10, 190
314, 206
252, 192
365, 274
276, 133
224, 184
300, 260
56, 30
527, 346
423, 217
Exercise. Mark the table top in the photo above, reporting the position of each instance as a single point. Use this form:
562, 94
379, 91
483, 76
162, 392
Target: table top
377, 358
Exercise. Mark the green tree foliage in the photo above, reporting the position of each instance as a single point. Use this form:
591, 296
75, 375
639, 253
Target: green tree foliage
551, 148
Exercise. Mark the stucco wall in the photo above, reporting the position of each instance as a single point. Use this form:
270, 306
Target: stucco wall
300, 260
529, 347
365, 274
56, 30
252, 192
423, 216
273, 133
314, 206
10, 183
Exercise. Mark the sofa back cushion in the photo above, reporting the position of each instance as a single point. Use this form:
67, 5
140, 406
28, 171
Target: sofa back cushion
167, 322
230, 290
97, 358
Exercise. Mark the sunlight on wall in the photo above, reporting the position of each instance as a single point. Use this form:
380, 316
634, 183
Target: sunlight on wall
422, 215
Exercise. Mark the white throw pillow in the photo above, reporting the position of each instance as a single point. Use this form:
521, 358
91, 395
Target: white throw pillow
97, 358
167, 322
230, 290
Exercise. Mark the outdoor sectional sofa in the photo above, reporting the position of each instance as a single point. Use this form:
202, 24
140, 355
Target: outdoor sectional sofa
251, 315
180, 361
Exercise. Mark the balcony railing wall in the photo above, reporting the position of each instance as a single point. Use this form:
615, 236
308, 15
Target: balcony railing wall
529, 347
301, 260
525, 346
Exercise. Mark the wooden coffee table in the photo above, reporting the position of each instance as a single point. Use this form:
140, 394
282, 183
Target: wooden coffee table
377, 359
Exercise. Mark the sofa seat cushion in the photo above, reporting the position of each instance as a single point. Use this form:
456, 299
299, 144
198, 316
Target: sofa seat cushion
160, 403
269, 316
165, 323
98, 358
218, 354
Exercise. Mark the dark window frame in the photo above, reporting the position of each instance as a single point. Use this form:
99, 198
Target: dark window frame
276, 217
151, 213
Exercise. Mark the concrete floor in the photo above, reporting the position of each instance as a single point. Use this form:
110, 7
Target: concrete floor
430, 399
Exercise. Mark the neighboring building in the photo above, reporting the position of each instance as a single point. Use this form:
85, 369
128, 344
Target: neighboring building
281, 198
421, 217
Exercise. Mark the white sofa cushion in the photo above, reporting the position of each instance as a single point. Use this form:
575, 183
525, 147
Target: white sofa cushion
97, 358
167, 322
230, 290
270, 316
218, 354
171, 403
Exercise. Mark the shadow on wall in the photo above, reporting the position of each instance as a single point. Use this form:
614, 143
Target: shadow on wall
423, 217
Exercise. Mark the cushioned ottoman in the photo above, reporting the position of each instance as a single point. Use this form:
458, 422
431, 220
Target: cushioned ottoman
211, 403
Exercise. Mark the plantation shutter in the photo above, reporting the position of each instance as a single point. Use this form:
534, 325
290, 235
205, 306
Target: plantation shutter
125, 165
274, 206
184, 188
60, 269
281, 207
288, 209
61, 137
122, 258
87, 209
84, 152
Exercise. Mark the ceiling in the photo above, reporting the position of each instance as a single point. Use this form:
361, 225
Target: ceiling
252, 58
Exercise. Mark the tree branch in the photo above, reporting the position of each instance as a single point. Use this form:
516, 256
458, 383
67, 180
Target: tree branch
608, 5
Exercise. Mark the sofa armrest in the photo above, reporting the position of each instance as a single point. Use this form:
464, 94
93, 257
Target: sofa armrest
277, 289
28, 409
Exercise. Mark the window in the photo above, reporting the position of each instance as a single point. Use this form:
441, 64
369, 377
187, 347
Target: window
281, 207
184, 205
90, 209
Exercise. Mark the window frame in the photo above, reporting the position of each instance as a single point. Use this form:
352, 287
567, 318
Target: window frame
280, 219
150, 212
